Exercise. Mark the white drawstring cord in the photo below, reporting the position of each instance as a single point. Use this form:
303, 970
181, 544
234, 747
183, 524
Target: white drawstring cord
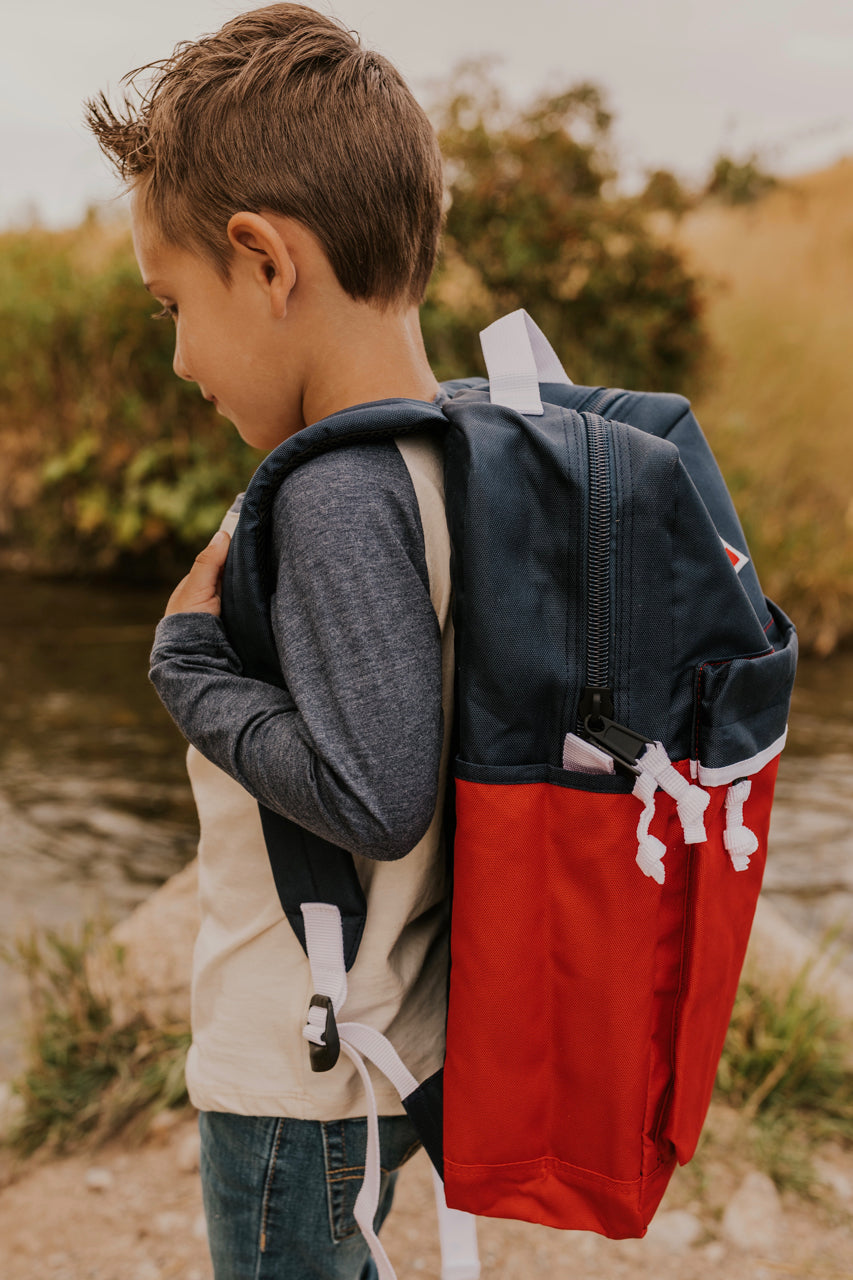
657, 770
740, 842
650, 850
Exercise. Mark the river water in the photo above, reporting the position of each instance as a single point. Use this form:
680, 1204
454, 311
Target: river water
95, 809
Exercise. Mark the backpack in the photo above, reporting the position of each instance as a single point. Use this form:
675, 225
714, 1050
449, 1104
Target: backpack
622, 692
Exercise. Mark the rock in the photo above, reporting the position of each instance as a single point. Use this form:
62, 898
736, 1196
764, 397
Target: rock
753, 1217
170, 1223
778, 953
674, 1231
164, 1120
829, 1176
147, 1270
158, 940
189, 1153
99, 1179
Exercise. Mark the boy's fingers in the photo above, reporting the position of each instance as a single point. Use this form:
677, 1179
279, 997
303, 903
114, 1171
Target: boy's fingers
216, 551
208, 563
199, 590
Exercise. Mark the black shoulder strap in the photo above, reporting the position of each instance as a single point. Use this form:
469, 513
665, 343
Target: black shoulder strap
306, 868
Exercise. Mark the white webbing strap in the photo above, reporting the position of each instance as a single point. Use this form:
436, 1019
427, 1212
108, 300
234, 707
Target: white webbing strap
740, 842
324, 942
518, 357
457, 1231
371, 1044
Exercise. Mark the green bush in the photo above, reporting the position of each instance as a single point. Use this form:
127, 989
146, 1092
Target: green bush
112, 457
739, 181
789, 1056
113, 462
86, 1078
534, 222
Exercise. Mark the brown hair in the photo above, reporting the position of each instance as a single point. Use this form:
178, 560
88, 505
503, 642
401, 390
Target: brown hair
284, 111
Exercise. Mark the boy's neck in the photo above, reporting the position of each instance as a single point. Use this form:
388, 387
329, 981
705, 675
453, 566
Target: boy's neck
380, 357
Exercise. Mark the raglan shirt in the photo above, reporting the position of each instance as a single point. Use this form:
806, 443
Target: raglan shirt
354, 749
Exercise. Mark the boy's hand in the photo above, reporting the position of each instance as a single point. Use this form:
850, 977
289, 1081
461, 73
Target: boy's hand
199, 591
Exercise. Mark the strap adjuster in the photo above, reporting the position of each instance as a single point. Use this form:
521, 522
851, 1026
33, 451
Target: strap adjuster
324, 1056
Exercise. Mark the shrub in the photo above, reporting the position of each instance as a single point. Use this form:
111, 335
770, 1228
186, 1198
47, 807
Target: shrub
739, 181
534, 222
789, 1057
85, 1077
110, 457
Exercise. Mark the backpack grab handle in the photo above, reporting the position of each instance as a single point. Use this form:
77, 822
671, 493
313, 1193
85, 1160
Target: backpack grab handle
518, 357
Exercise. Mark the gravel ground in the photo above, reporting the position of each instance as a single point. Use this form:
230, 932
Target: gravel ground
135, 1214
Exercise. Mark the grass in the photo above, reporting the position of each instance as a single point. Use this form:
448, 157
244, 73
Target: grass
776, 408
787, 1068
86, 1077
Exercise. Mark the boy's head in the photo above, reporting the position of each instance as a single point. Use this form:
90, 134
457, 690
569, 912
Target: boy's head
282, 111
286, 209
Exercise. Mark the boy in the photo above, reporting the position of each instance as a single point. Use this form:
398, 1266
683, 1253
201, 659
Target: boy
286, 205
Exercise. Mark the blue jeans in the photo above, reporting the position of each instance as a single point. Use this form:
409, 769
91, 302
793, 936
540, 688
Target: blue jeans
279, 1194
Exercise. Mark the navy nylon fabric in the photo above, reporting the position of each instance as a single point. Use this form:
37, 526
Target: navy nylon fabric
304, 867
425, 1108
515, 633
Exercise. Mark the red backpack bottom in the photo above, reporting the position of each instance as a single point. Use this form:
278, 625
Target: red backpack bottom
588, 1003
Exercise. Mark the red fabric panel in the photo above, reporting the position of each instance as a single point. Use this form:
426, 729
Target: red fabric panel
571, 971
558, 1195
722, 906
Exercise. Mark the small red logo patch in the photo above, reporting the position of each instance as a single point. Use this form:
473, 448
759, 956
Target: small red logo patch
738, 558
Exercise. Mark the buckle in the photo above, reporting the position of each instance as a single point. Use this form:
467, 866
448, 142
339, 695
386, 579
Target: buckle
324, 1056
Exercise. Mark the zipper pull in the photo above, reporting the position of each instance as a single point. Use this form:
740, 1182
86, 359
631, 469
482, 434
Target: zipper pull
622, 744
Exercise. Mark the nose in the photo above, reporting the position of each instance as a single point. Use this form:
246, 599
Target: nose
178, 364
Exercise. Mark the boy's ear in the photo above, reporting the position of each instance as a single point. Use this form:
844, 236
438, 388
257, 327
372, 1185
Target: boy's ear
261, 249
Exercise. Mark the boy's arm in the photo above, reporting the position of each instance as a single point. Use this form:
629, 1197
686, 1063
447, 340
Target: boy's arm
351, 750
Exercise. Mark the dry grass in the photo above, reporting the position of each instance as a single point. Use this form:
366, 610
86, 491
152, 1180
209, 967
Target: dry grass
778, 407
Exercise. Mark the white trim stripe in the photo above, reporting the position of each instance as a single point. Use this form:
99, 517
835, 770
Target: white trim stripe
729, 773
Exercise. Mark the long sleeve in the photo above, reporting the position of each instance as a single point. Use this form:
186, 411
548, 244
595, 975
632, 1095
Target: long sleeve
351, 749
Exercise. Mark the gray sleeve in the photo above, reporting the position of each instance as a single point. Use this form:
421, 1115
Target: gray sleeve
351, 749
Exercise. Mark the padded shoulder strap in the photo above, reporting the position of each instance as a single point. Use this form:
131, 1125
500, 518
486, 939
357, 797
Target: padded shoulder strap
306, 868
248, 580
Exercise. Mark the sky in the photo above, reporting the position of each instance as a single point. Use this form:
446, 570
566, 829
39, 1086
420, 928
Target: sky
685, 79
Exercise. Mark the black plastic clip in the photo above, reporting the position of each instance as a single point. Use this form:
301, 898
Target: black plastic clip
324, 1056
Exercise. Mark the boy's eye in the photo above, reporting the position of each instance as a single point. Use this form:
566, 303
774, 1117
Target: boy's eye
168, 313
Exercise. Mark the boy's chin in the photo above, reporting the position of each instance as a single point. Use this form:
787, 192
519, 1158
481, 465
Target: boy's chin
258, 437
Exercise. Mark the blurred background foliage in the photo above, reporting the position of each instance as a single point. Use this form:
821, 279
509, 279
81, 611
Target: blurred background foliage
535, 222
738, 294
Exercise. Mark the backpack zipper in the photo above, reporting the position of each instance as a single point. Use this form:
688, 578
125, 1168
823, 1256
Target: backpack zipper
596, 705
597, 695
599, 400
